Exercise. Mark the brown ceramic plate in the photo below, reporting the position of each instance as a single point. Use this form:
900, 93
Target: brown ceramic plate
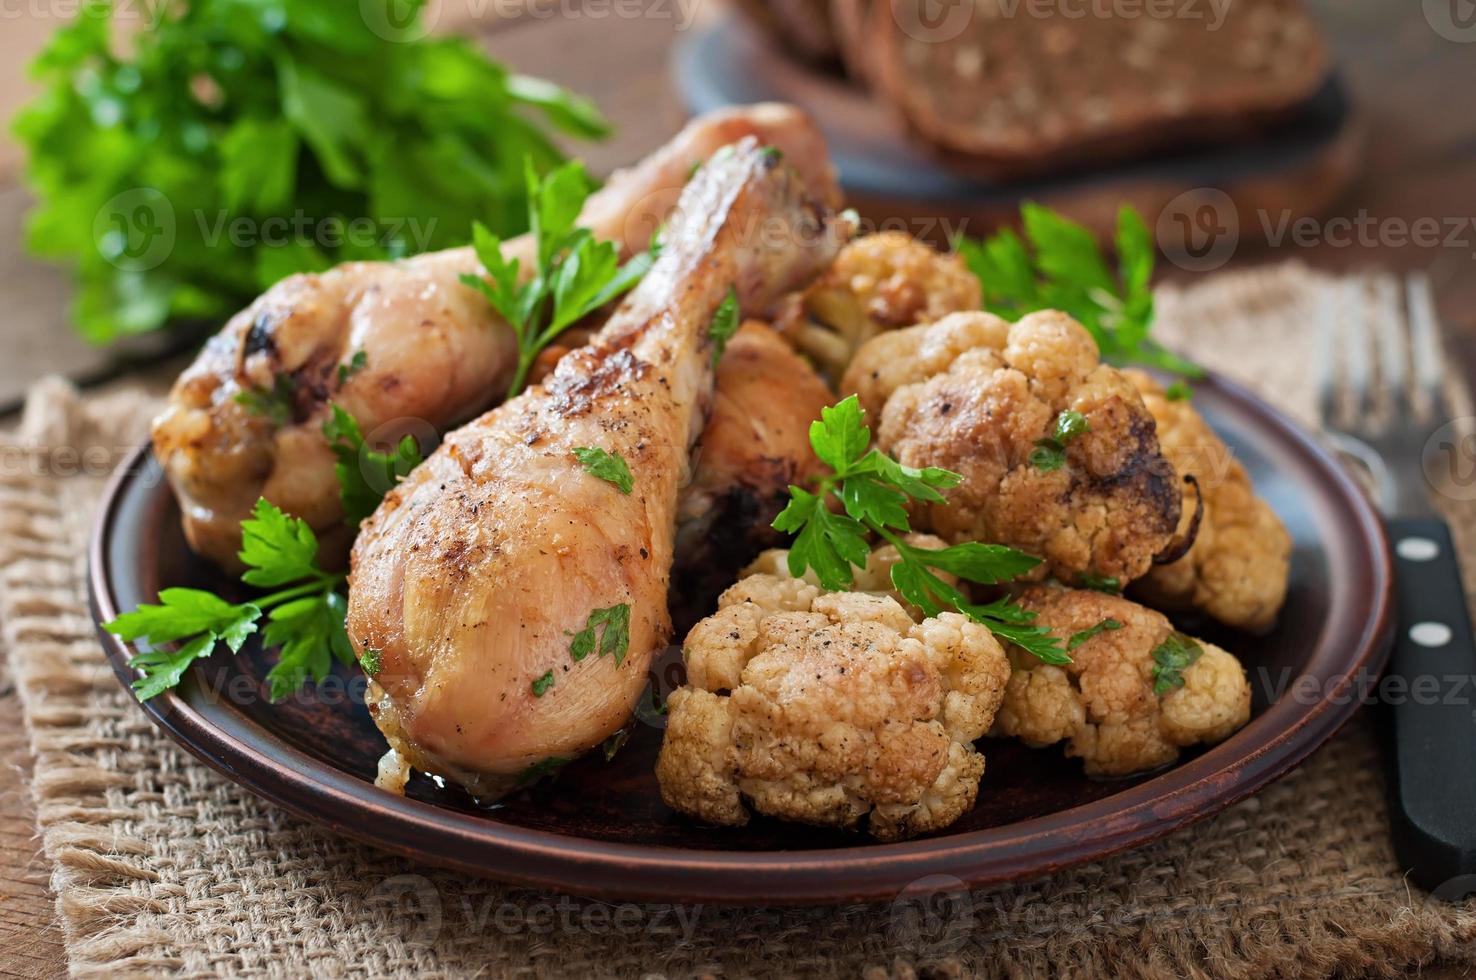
600, 828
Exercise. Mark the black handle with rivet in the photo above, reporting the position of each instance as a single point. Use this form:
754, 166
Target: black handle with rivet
1431, 690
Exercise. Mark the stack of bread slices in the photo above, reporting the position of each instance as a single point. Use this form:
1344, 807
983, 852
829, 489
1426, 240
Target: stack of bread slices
1024, 86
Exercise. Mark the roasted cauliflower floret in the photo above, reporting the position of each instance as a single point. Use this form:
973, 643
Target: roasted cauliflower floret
877, 283
1058, 454
1237, 568
825, 708
1135, 693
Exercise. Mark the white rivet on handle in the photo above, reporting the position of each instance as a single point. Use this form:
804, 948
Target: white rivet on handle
1430, 634
1417, 549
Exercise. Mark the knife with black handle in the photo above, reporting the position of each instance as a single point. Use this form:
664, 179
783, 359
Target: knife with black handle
1431, 691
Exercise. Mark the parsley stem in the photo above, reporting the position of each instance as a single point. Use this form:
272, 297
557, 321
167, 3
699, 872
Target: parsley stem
307, 588
526, 356
903, 549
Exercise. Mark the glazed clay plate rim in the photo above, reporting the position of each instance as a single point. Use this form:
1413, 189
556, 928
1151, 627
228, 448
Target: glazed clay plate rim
1272, 744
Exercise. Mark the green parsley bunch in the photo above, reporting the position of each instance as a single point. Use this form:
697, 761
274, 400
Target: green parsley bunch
874, 491
305, 115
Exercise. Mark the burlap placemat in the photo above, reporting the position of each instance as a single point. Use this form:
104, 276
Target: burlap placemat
161, 864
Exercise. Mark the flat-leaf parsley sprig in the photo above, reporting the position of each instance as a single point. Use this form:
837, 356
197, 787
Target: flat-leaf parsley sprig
1057, 266
573, 274
874, 491
365, 475
304, 614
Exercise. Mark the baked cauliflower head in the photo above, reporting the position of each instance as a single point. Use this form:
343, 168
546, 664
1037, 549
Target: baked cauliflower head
1237, 568
1135, 693
877, 283
1058, 454
829, 708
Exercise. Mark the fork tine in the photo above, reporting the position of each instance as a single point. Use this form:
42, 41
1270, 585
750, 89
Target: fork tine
1328, 314
1425, 347
1357, 349
1391, 345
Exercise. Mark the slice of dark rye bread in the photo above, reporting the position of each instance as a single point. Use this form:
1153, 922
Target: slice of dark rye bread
1028, 86
801, 26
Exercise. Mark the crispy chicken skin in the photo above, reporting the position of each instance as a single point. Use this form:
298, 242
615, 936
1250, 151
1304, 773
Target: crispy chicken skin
435, 354
825, 708
755, 445
976, 395
474, 573
1103, 704
878, 283
1237, 568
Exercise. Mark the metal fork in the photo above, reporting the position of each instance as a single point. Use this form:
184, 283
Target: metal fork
1381, 410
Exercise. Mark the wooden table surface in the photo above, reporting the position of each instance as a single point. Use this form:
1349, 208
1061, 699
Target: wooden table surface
1412, 86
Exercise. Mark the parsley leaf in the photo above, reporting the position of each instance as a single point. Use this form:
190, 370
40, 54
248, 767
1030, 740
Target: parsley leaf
1058, 266
1080, 637
277, 548
310, 632
827, 542
365, 475
574, 274
612, 745
355, 364
163, 669
371, 660
608, 466
874, 491
542, 684
1099, 583
541, 768
276, 404
1034, 640
1047, 456
304, 616
724, 325
187, 612
1170, 659
986, 564
839, 437
1069, 425
606, 630
1050, 453
1179, 391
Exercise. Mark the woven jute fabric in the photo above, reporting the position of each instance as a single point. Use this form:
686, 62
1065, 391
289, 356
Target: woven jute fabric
160, 864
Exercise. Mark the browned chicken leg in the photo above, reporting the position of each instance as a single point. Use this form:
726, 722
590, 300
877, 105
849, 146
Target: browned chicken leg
476, 577
432, 353
756, 443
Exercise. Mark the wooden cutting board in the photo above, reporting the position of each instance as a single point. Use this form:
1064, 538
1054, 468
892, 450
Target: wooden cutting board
893, 180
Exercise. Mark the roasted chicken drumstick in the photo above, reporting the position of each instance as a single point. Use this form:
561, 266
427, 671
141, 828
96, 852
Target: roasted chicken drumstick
514, 599
432, 354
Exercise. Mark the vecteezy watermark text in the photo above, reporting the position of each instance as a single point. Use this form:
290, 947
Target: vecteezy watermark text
138, 229
1201, 229
422, 909
149, 12
941, 21
332, 232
